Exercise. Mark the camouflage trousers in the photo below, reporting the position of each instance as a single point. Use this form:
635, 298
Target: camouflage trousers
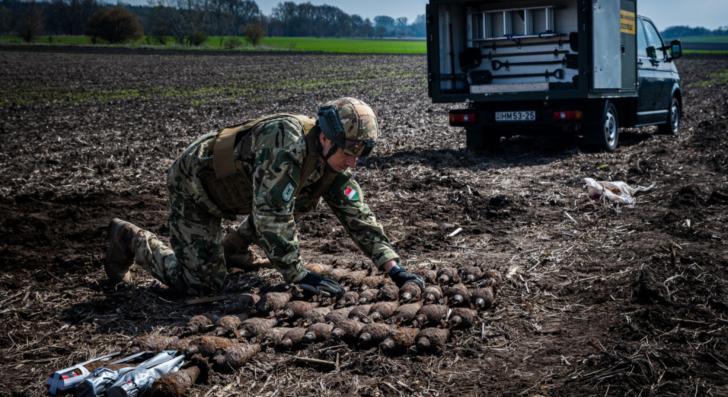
195, 264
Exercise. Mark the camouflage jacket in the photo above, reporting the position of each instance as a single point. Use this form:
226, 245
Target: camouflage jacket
277, 153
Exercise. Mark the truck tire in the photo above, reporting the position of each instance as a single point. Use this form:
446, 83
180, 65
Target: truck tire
674, 117
477, 139
604, 135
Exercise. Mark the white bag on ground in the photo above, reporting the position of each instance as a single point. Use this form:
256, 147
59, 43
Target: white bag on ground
614, 192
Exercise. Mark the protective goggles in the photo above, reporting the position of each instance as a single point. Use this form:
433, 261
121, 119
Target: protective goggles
357, 148
330, 124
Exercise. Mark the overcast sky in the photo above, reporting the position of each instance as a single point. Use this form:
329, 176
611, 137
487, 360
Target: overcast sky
708, 13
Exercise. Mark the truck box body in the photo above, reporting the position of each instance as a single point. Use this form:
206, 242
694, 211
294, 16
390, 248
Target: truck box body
580, 66
530, 49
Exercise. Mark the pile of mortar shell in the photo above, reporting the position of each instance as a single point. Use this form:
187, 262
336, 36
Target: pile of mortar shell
372, 312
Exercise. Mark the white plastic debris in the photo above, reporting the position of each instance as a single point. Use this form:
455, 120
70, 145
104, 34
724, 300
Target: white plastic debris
614, 192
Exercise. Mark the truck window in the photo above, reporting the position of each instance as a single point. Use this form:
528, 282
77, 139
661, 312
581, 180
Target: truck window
641, 40
653, 38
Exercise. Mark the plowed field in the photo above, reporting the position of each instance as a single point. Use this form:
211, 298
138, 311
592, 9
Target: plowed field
596, 299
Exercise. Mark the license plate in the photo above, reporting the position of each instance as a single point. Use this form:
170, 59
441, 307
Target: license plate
529, 115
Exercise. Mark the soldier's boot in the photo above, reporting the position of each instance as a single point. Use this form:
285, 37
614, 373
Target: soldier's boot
238, 254
120, 254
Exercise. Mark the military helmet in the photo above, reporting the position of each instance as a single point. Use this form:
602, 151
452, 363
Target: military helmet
351, 124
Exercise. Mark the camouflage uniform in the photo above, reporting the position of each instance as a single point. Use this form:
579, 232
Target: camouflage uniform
196, 264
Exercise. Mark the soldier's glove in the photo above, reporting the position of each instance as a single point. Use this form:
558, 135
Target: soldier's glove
401, 276
315, 284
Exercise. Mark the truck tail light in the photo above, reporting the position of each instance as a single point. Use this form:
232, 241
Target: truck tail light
568, 115
460, 119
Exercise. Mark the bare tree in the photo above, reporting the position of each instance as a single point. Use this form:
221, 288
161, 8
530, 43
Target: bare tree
254, 33
32, 23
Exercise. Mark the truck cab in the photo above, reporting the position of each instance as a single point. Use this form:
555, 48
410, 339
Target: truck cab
586, 67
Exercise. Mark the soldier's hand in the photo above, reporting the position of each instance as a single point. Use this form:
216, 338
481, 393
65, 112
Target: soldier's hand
400, 276
316, 284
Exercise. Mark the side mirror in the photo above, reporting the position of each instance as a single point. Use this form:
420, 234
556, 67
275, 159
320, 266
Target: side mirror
675, 49
652, 52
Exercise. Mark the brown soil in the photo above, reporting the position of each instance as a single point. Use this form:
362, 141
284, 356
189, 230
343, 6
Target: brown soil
596, 300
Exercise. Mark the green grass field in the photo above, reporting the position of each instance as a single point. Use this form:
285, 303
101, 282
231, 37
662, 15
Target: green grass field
704, 39
307, 44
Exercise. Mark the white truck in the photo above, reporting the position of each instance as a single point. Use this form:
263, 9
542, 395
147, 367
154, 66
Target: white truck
538, 66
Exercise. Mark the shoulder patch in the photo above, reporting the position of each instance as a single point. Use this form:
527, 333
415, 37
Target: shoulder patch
287, 194
351, 193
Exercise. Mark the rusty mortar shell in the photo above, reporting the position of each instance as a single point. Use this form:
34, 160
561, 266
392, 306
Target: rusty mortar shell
383, 310
374, 333
458, 294
482, 298
432, 339
368, 296
273, 302
462, 317
430, 314
406, 313
433, 294
410, 292
348, 329
318, 332
388, 292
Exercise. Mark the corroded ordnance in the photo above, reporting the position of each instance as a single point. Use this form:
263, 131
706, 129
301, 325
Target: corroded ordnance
272, 302
383, 310
175, 384
338, 315
237, 355
374, 333
243, 303
430, 315
432, 339
317, 315
400, 340
319, 268
457, 295
255, 326
293, 337
208, 345
198, 324
354, 278
339, 273
433, 294
406, 313
482, 298
297, 309
372, 282
349, 298
318, 332
369, 295
273, 335
348, 330
462, 317
388, 292
155, 343
360, 312
410, 292
447, 275
429, 275
229, 325
471, 274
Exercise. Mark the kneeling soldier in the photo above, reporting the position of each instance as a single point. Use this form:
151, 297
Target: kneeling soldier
269, 169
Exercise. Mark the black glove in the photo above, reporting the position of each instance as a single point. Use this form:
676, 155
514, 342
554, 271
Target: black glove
316, 284
401, 276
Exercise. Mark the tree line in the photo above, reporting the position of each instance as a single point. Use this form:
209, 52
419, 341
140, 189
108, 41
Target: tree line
676, 32
191, 20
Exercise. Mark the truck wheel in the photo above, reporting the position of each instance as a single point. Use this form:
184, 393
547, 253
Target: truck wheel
672, 127
479, 140
605, 135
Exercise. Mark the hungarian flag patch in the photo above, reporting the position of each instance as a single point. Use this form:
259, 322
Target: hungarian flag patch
351, 193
